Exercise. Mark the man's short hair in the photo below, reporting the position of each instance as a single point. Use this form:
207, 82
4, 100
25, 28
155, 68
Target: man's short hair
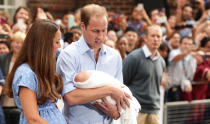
186, 37
129, 28
76, 27
186, 5
5, 43
148, 27
204, 41
92, 10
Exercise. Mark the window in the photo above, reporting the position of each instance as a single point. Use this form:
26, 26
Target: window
11, 5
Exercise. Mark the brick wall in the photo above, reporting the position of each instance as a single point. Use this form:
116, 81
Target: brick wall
122, 6
59, 7
56, 7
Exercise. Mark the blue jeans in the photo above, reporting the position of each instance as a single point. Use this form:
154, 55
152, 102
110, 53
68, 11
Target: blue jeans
2, 119
173, 94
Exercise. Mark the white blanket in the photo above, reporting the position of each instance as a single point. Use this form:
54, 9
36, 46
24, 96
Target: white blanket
99, 79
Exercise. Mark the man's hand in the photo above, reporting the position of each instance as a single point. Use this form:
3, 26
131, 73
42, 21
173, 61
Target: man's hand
208, 75
188, 88
108, 108
121, 98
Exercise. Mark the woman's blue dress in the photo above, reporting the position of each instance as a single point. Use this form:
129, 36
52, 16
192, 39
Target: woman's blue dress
25, 77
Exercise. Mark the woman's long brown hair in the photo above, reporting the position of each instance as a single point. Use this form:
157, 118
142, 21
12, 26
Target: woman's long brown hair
37, 52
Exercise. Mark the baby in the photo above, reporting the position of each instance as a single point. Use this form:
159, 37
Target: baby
94, 79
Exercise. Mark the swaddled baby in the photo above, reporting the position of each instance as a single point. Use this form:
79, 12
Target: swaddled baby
94, 79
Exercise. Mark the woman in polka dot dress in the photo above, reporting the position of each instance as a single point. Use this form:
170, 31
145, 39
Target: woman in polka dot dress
33, 81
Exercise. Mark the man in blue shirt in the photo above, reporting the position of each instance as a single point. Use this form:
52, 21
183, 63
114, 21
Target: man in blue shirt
89, 53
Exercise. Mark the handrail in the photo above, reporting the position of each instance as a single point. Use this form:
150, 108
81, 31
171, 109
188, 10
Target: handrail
182, 111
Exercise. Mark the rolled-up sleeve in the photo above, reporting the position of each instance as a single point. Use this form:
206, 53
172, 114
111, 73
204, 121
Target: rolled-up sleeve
119, 74
66, 68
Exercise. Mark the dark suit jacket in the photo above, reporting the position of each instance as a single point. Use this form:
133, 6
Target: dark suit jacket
4, 63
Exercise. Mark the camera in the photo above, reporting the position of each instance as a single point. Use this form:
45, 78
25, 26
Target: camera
161, 20
4, 36
189, 26
178, 27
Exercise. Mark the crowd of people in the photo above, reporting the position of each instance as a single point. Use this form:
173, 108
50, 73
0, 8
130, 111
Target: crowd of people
40, 56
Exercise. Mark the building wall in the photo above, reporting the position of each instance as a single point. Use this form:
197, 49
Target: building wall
122, 6
59, 7
56, 7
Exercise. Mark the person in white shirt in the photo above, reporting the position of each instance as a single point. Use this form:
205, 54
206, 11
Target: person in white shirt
182, 67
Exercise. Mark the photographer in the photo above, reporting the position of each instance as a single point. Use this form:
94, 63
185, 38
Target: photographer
140, 20
185, 19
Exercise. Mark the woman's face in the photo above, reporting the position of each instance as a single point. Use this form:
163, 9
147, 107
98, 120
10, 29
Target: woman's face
16, 45
123, 44
164, 52
22, 13
56, 42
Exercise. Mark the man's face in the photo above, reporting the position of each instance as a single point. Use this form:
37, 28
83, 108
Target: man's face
66, 19
175, 41
132, 38
76, 34
95, 32
187, 13
154, 38
3, 49
186, 44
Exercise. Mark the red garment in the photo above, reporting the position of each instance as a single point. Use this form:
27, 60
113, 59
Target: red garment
199, 92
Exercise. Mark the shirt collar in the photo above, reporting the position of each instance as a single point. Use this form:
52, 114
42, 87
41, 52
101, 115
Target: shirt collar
103, 49
84, 47
148, 54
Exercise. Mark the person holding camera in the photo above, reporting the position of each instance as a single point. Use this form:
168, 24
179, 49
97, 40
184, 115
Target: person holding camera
138, 16
182, 64
184, 19
21, 19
